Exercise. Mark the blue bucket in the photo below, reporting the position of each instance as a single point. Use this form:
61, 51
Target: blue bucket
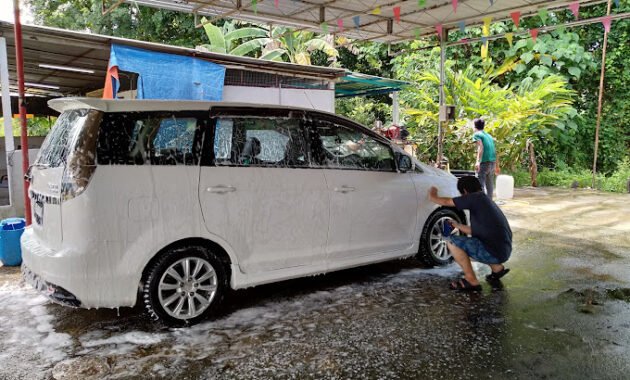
11, 230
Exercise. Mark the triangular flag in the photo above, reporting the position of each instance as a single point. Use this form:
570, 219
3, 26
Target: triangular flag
255, 6
324, 26
534, 33
376, 11
617, 3
575, 8
357, 21
438, 29
543, 14
491, 2
416, 32
516, 18
486, 25
484, 50
462, 26
465, 40
509, 37
275, 3
484, 40
606, 21
340, 25
422, 3
455, 6
397, 14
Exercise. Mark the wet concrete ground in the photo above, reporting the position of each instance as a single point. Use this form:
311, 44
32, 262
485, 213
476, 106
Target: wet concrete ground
563, 313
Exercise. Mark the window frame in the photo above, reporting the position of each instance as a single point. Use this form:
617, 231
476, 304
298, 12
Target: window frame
354, 127
218, 112
135, 116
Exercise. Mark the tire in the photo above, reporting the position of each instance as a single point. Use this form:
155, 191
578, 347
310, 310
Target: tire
179, 300
433, 250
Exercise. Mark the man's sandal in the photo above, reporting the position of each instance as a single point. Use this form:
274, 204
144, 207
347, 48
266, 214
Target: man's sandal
463, 285
495, 276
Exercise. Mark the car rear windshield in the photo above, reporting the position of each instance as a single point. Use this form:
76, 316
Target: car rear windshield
61, 139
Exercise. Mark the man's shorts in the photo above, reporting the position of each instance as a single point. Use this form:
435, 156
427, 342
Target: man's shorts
474, 249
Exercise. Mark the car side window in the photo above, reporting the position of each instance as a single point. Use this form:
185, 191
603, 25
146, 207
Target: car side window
154, 138
259, 141
337, 146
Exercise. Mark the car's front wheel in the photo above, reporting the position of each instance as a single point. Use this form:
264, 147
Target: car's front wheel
433, 250
184, 286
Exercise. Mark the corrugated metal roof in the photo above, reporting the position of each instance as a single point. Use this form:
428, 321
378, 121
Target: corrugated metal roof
361, 20
43, 45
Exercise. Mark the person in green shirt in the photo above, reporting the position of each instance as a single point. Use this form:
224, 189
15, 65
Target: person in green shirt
487, 164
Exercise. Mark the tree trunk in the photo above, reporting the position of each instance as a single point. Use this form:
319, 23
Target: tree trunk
533, 168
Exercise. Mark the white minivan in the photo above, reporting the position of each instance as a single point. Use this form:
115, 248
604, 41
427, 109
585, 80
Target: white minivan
174, 202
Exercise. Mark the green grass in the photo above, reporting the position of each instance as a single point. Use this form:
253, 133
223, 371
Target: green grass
565, 177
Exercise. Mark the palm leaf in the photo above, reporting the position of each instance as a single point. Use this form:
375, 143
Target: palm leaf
215, 35
274, 55
249, 46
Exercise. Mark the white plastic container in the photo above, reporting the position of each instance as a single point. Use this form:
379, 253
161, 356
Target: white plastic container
505, 187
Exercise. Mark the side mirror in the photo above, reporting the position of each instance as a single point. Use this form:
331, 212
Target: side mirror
404, 163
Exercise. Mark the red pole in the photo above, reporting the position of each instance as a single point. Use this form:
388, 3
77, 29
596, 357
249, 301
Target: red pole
19, 58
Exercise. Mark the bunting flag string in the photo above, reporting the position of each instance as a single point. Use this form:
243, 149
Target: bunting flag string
486, 25
575, 8
607, 21
462, 26
484, 47
397, 14
275, 2
340, 25
438, 29
455, 6
324, 26
357, 21
422, 3
509, 37
416, 32
376, 11
617, 3
534, 34
516, 18
255, 6
491, 2
543, 14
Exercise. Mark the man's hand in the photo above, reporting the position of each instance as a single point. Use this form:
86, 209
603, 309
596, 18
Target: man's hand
497, 170
477, 165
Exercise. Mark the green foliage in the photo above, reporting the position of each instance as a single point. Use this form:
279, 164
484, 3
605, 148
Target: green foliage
618, 180
235, 41
36, 126
365, 110
127, 20
297, 47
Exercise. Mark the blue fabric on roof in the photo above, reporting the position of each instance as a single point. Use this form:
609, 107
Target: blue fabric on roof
170, 76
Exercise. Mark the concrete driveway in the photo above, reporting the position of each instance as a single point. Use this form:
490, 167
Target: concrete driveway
563, 313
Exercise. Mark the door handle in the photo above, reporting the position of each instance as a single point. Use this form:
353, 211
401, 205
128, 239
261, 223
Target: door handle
344, 189
221, 189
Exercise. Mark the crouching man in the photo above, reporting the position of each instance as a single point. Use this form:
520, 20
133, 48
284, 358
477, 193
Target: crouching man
491, 241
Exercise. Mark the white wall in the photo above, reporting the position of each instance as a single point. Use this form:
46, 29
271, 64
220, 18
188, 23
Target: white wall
323, 100
14, 160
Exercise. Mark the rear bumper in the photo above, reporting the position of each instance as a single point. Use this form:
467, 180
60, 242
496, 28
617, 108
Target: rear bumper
52, 291
89, 278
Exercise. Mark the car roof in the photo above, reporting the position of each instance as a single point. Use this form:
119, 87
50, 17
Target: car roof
125, 105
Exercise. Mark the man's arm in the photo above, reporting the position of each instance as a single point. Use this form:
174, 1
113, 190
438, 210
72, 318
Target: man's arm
479, 154
497, 168
442, 201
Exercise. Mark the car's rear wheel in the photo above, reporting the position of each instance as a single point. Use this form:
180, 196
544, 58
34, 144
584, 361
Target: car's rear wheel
184, 286
433, 250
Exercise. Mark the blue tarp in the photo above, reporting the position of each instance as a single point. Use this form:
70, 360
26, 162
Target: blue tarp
170, 76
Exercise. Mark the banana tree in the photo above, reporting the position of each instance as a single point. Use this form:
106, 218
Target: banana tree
297, 46
233, 40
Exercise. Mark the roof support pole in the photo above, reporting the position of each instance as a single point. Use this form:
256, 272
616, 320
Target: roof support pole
395, 109
7, 114
19, 58
599, 101
441, 124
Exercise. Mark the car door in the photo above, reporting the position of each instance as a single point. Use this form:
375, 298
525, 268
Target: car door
372, 205
257, 191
